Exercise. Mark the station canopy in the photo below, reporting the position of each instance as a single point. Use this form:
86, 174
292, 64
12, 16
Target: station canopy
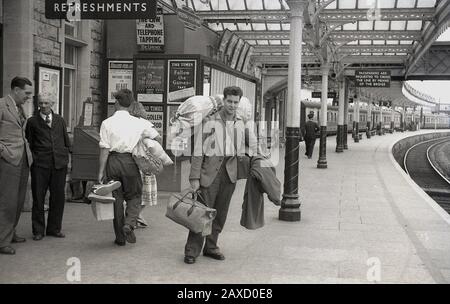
348, 34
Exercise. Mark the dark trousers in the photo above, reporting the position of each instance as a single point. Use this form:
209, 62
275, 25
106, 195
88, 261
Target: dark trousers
217, 196
43, 179
309, 142
13, 186
121, 167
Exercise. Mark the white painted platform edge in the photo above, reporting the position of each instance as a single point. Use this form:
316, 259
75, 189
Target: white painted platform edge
435, 206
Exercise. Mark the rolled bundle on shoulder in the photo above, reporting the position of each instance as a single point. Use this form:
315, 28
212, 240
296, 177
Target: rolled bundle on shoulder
157, 151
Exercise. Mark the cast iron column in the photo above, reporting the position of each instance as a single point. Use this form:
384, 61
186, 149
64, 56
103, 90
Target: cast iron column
322, 162
290, 204
356, 116
392, 119
345, 115
340, 127
381, 119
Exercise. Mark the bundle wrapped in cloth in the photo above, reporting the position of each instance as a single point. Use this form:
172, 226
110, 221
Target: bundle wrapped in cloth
192, 112
149, 155
245, 109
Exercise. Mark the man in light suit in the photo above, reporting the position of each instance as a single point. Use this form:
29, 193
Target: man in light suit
214, 172
15, 160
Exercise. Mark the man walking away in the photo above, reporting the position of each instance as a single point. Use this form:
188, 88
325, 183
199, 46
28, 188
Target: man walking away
309, 134
119, 134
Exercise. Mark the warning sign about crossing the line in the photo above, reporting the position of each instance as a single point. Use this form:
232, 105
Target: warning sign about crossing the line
373, 79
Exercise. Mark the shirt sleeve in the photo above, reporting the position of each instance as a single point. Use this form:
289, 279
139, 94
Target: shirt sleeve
104, 138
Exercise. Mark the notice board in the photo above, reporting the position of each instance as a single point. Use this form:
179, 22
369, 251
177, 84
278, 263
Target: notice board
373, 79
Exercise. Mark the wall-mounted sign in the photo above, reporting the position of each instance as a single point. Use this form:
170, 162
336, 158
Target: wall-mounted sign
230, 48
49, 81
76, 10
150, 80
373, 79
319, 95
246, 65
241, 60
191, 20
150, 33
155, 114
224, 40
120, 76
181, 80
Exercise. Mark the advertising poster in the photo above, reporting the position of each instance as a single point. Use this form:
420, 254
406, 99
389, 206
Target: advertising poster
181, 80
241, 60
150, 80
155, 114
150, 33
173, 141
236, 53
120, 76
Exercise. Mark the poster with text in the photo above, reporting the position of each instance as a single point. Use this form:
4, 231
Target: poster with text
49, 80
150, 80
120, 76
155, 114
181, 80
150, 33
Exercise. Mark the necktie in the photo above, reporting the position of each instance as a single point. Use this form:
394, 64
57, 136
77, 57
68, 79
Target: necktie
47, 119
21, 114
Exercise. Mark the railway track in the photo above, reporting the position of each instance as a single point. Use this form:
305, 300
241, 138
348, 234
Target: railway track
423, 171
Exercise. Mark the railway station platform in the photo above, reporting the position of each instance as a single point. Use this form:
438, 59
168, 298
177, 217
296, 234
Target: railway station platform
363, 221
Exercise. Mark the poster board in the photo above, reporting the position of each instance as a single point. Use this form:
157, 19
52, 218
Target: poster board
120, 76
48, 84
150, 33
181, 80
150, 80
155, 114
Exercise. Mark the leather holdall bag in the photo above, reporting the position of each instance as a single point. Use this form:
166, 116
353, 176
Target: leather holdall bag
184, 208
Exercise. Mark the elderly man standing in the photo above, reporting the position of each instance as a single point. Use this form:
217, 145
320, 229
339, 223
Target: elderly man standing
47, 134
15, 159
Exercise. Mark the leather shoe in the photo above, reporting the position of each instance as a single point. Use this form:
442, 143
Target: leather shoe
56, 234
120, 243
38, 237
215, 255
18, 239
129, 234
189, 259
7, 250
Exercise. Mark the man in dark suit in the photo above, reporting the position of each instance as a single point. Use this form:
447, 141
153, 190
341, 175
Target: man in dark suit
214, 173
309, 133
15, 159
47, 134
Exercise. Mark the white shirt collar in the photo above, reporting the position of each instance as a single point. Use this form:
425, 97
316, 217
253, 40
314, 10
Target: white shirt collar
50, 116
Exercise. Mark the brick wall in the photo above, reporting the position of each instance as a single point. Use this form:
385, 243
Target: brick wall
47, 49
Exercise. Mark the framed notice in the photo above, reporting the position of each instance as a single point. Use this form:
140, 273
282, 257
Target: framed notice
150, 33
373, 78
181, 80
241, 60
229, 51
120, 76
155, 114
150, 80
223, 43
48, 84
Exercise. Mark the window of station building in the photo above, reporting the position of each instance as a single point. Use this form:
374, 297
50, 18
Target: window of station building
75, 64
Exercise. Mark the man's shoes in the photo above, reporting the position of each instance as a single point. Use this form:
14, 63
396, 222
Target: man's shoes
120, 243
17, 239
108, 198
38, 237
7, 250
215, 255
56, 234
189, 259
105, 189
129, 234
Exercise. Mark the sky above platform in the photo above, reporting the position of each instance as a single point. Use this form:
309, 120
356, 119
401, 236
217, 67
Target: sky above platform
437, 89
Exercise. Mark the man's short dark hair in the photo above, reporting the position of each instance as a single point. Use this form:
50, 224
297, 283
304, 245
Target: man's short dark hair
20, 82
124, 97
236, 91
310, 115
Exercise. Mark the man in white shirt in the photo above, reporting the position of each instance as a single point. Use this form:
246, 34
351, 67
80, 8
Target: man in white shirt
119, 134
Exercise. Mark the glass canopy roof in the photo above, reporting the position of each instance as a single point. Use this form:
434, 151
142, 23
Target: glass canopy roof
265, 24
